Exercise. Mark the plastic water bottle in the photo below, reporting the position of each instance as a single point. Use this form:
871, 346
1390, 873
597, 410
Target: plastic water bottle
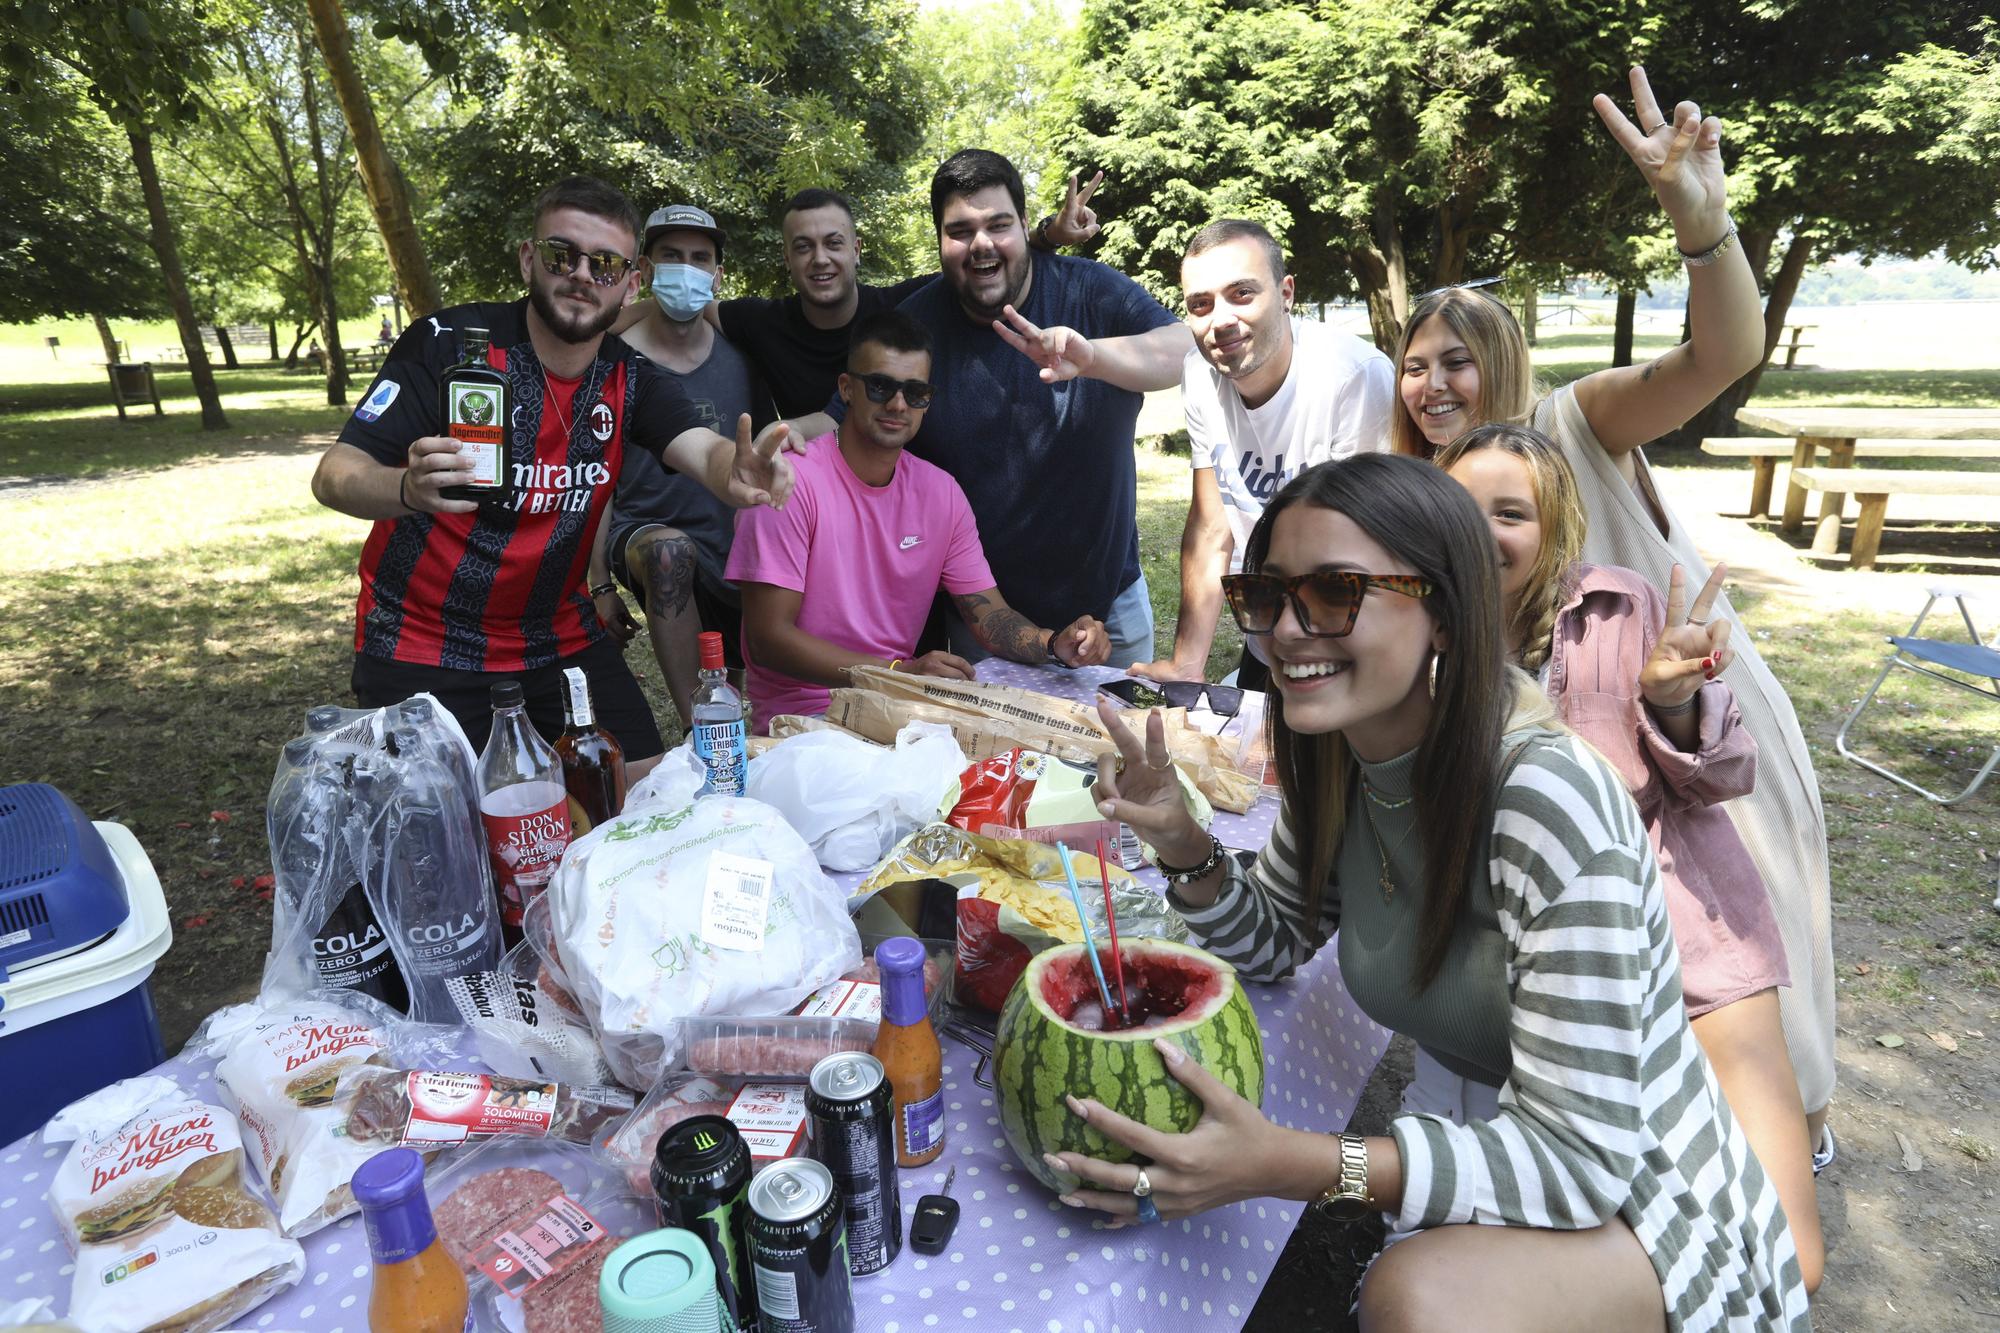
719, 739
524, 807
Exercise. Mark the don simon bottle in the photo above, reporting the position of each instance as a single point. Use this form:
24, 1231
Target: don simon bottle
593, 763
524, 807
473, 397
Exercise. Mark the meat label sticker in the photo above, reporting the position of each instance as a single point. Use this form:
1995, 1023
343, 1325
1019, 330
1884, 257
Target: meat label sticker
736, 901
448, 1108
844, 999
540, 1246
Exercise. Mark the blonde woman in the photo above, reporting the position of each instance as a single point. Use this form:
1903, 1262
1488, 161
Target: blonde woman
1640, 681
1464, 362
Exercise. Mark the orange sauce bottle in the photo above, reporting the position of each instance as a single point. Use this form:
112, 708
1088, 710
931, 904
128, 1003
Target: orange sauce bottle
417, 1286
907, 1046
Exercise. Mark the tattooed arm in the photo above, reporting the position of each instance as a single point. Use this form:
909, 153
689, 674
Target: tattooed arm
1005, 632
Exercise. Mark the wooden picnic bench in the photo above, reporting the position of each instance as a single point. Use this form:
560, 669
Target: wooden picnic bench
1792, 348
364, 358
1874, 486
1764, 451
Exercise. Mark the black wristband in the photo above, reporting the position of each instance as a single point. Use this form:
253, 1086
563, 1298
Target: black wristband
1176, 876
402, 492
599, 589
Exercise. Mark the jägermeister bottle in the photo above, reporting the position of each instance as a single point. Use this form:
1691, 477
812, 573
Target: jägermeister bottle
477, 415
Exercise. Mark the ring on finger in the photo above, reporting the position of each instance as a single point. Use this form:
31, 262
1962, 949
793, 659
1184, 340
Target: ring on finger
1162, 766
1149, 1212
1142, 1186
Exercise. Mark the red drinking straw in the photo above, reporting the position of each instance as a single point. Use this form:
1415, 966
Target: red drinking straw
1111, 922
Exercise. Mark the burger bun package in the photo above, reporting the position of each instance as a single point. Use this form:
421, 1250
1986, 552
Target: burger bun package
280, 1064
718, 907
167, 1236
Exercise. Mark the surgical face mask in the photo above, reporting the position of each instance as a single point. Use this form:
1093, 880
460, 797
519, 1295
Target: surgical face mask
682, 290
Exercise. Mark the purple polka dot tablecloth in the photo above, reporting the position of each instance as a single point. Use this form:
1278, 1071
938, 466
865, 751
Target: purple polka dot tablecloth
1018, 1259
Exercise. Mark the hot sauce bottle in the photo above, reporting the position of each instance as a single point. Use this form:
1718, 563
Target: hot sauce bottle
908, 1048
417, 1286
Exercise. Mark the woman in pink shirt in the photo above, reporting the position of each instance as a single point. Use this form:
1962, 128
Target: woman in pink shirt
1640, 681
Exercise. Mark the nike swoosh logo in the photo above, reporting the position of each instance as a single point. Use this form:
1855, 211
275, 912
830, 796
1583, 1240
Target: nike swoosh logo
908, 542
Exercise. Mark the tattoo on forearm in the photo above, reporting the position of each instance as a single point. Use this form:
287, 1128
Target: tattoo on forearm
670, 574
1651, 366
1001, 630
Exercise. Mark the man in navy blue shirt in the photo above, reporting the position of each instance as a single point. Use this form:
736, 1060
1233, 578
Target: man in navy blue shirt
1040, 361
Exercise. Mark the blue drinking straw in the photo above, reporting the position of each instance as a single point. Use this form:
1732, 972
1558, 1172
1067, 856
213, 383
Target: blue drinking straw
1089, 944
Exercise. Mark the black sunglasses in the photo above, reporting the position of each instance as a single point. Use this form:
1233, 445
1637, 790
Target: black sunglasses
561, 258
880, 389
1222, 700
1327, 602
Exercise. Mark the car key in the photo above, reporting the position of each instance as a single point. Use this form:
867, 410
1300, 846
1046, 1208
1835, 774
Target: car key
937, 1215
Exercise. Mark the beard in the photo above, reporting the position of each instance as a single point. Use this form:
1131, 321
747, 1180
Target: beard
1014, 285
568, 325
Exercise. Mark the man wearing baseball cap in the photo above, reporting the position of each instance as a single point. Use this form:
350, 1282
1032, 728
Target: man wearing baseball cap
665, 540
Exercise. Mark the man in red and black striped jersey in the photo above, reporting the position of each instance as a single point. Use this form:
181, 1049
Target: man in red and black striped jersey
456, 596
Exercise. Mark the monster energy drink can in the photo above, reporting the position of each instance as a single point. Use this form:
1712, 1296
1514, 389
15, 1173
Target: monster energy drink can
798, 1250
701, 1172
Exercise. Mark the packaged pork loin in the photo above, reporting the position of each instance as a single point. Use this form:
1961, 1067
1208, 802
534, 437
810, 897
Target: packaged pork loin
168, 1237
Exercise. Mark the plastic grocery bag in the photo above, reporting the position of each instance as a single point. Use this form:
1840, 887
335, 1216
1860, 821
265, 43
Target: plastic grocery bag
854, 800
525, 1022
716, 908
674, 782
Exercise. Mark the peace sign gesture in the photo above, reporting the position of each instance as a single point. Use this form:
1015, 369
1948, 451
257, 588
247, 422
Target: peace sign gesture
1077, 221
1679, 154
1062, 353
1691, 648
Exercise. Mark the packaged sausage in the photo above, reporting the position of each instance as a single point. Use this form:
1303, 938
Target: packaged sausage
431, 1108
152, 1199
280, 1068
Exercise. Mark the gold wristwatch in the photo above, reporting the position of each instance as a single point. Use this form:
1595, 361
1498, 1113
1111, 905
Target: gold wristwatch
1349, 1201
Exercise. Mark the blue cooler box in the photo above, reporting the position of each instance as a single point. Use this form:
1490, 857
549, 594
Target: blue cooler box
82, 921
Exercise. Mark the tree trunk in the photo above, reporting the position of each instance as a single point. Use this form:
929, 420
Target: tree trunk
1621, 333
387, 193
1530, 311
271, 332
169, 253
1719, 417
227, 346
104, 336
323, 234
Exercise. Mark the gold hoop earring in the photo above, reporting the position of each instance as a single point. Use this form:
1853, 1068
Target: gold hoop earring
1435, 659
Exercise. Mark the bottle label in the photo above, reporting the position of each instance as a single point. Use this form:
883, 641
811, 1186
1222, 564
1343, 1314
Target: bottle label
721, 748
449, 1108
477, 417
525, 850
923, 1124
736, 902
576, 693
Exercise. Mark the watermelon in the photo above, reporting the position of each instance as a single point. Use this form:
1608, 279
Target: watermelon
1041, 1052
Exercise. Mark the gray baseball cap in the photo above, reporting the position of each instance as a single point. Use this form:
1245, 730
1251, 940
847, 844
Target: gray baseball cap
681, 217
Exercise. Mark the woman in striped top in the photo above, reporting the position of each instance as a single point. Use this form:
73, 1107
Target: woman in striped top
1500, 904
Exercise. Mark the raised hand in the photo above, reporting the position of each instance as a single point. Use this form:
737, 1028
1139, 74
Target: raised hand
1137, 785
1062, 353
1229, 1154
1679, 154
761, 474
1077, 221
1692, 647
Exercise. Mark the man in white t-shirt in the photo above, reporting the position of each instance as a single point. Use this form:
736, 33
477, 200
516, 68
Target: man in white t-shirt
1268, 394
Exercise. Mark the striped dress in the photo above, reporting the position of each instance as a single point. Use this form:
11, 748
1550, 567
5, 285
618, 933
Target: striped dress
1608, 1108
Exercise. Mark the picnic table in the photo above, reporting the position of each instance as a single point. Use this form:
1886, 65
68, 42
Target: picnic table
1789, 344
1838, 429
1018, 1259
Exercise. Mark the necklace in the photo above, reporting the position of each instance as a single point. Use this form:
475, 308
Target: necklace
1381, 848
561, 419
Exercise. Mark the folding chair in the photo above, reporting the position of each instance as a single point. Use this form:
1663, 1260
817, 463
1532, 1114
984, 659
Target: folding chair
1968, 659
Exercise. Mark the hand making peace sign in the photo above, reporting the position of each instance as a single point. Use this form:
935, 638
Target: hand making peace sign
1692, 647
1077, 221
1679, 154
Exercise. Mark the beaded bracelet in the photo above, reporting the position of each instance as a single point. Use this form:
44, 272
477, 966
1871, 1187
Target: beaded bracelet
1703, 258
1202, 871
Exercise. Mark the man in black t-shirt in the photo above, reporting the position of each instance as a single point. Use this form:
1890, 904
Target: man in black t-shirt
456, 596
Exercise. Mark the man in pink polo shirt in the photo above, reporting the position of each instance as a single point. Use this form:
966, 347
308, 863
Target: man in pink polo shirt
844, 575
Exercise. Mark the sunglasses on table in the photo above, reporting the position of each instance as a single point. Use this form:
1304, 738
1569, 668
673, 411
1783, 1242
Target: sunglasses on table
1327, 602
560, 257
881, 388
1222, 700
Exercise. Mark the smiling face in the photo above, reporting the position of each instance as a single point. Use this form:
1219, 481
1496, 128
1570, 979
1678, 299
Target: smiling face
821, 251
983, 251
1439, 383
573, 307
882, 425
1371, 684
1504, 489
1239, 311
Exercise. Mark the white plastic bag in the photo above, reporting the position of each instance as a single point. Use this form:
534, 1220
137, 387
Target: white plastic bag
716, 908
854, 800
672, 784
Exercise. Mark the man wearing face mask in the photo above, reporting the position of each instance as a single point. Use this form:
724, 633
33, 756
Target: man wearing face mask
666, 540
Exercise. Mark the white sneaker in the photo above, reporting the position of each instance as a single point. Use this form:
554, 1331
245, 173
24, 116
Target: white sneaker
1824, 1154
